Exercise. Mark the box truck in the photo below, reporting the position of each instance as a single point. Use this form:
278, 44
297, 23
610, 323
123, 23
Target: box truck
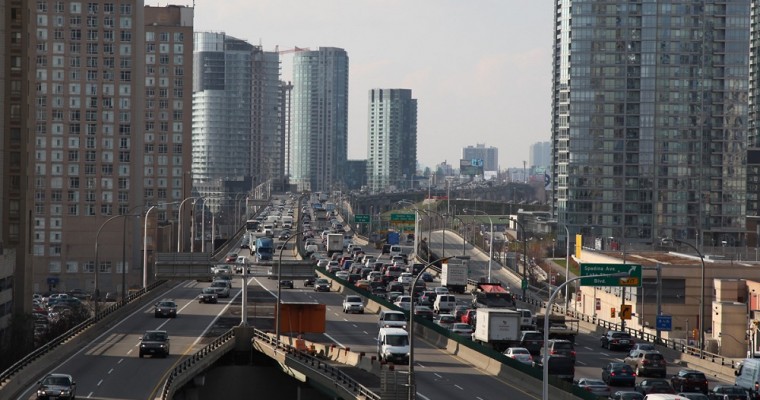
497, 328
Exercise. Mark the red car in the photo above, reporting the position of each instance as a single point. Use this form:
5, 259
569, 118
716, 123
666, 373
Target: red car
231, 258
469, 317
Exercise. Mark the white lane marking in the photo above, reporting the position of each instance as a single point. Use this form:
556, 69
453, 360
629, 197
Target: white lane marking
420, 365
588, 348
479, 398
580, 362
436, 374
355, 326
99, 382
110, 371
424, 397
89, 395
605, 354
120, 360
333, 339
365, 332
458, 387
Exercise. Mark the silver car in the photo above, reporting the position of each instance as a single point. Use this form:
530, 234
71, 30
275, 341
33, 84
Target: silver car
221, 288
595, 386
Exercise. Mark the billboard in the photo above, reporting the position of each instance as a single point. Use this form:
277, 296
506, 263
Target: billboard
471, 167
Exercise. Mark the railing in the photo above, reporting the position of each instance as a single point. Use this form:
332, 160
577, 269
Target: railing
16, 368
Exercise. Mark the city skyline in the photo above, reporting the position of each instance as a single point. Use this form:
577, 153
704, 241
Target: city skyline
474, 83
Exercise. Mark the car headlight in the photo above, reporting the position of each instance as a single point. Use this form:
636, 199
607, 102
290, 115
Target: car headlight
142, 345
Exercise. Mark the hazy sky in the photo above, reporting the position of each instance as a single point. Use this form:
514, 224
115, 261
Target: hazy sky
480, 70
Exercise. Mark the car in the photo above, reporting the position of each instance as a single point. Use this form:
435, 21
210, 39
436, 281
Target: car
520, 354
459, 311
647, 362
694, 396
323, 262
626, 395
321, 285
427, 298
231, 258
561, 347
110, 297
380, 292
241, 260
426, 277
393, 296
165, 308
462, 329
594, 386
441, 290
617, 340
689, 380
533, 341
423, 312
444, 320
403, 302
391, 318
728, 392
405, 278
221, 288
353, 304
309, 281
57, 386
286, 284
208, 295
643, 346
618, 374
654, 385
560, 367
154, 343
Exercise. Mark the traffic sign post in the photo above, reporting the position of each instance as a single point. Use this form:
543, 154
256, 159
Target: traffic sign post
632, 270
402, 218
361, 219
626, 310
664, 323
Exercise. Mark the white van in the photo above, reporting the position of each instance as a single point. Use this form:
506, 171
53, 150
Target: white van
393, 345
527, 320
444, 303
395, 250
391, 319
748, 374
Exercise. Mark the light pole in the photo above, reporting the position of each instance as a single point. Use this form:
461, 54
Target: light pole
701, 297
145, 241
179, 223
411, 393
525, 258
416, 224
490, 246
97, 254
545, 356
464, 240
567, 261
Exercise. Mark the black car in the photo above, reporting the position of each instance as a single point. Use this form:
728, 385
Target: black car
286, 284
689, 380
426, 277
617, 340
165, 308
626, 395
309, 281
208, 295
618, 374
154, 343
728, 392
321, 285
423, 312
654, 385
533, 341
57, 386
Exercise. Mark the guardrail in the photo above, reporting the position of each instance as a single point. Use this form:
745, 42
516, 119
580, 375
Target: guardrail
17, 367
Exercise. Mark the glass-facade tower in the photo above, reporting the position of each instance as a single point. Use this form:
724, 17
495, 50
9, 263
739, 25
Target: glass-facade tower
649, 119
392, 144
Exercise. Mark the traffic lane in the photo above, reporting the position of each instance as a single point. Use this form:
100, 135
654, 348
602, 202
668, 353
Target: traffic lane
109, 366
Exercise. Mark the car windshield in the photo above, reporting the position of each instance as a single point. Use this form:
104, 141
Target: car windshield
732, 390
622, 368
533, 336
621, 335
208, 290
594, 382
394, 317
397, 340
447, 318
563, 345
218, 284
166, 304
696, 376
158, 336
56, 381
520, 351
353, 299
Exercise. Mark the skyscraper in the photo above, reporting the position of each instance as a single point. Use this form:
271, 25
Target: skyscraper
319, 137
392, 144
540, 155
489, 155
649, 140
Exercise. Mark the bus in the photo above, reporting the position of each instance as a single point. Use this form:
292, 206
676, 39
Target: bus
251, 225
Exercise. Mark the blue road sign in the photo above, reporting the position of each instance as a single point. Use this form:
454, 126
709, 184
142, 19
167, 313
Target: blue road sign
664, 323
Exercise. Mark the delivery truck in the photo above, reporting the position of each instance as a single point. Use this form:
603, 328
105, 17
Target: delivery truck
454, 275
334, 243
498, 328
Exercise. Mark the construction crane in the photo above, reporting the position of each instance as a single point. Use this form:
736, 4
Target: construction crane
288, 51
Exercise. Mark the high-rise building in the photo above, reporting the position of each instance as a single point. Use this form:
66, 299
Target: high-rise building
649, 141
319, 122
540, 155
236, 114
392, 144
110, 135
489, 155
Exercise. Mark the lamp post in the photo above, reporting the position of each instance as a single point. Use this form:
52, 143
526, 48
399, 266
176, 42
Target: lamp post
411, 393
97, 254
279, 279
490, 246
545, 359
525, 258
416, 224
145, 241
567, 261
464, 240
179, 224
701, 297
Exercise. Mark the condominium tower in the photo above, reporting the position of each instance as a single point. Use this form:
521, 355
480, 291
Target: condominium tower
649, 119
319, 122
392, 144
489, 156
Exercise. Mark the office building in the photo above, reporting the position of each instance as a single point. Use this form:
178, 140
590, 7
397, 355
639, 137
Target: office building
650, 139
392, 143
110, 124
319, 119
489, 155
540, 155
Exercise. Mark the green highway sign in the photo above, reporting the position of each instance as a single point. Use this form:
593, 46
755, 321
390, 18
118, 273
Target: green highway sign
402, 217
361, 218
633, 270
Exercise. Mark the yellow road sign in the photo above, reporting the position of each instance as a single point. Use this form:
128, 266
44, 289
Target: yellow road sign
625, 311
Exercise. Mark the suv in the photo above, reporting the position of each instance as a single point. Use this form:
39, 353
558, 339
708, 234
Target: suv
58, 386
391, 318
155, 343
533, 341
353, 304
560, 347
647, 363
617, 340
689, 380
165, 308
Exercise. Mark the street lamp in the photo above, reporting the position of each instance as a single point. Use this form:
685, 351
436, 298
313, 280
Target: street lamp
145, 241
179, 224
411, 392
701, 297
525, 258
490, 246
97, 254
545, 353
464, 239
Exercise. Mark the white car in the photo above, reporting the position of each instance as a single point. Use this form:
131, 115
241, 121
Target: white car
520, 354
322, 262
405, 278
441, 290
342, 275
404, 302
353, 304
